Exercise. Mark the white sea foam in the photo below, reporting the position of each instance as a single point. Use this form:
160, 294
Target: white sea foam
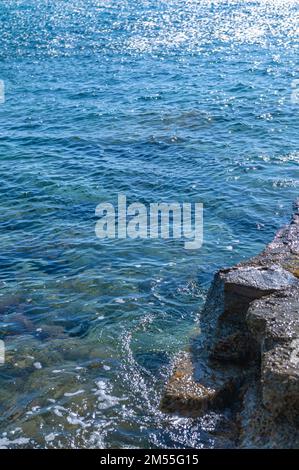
104, 398
72, 394
5, 443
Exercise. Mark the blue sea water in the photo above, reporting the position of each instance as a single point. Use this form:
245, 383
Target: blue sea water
187, 101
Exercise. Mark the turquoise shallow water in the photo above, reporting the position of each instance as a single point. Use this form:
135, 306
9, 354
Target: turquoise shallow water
177, 100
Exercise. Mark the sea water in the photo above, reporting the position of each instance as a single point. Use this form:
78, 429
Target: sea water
178, 100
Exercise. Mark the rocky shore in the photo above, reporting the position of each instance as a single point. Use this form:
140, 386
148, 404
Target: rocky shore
246, 358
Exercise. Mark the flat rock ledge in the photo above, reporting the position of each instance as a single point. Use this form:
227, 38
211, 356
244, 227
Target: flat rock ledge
246, 358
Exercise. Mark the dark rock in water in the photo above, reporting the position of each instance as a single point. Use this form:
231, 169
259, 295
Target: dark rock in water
79, 330
247, 357
152, 360
191, 390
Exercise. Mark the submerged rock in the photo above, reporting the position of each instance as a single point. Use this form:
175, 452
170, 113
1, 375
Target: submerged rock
247, 357
192, 390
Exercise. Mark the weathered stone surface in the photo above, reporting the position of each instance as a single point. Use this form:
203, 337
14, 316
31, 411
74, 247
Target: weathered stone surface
274, 322
258, 428
275, 319
223, 321
244, 284
280, 380
249, 347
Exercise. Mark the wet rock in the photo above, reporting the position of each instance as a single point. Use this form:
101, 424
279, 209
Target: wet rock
79, 330
247, 356
284, 249
47, 332
234, 348
183, 393
94, 364
274, 322
257, 426
280, 380
244, 284
275, 319
193, 389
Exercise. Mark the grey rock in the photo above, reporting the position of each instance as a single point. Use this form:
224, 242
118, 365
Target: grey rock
280, 380
247, 356
275, 319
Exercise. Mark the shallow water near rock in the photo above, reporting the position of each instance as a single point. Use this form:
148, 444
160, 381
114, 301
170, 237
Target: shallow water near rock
161, 101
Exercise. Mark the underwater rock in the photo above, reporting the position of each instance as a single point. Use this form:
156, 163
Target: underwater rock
79, 330
247, 356
192, 395
183, 393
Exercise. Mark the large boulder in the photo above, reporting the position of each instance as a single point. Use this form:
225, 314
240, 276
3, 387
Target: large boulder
248, 349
